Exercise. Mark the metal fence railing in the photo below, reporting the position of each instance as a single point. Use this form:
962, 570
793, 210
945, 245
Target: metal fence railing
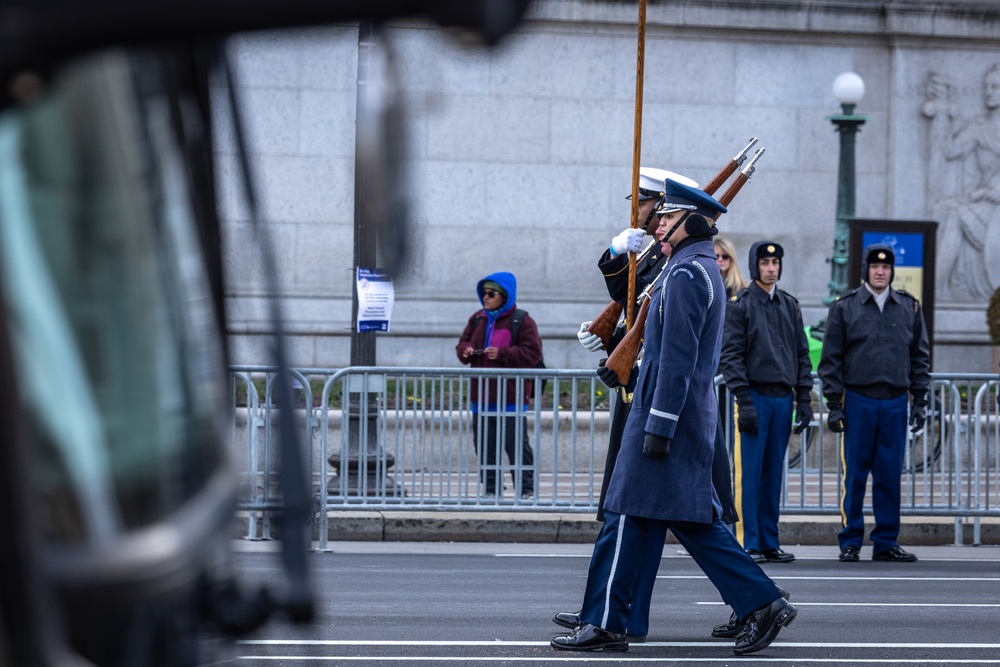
386, 438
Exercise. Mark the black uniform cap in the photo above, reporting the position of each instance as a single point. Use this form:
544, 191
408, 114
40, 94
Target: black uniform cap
878, 253
760, 250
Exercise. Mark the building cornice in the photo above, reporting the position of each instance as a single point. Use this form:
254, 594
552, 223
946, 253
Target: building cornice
965, 19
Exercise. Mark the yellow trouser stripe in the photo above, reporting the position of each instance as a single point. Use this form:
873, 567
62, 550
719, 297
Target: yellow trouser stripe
738, 467
843, 480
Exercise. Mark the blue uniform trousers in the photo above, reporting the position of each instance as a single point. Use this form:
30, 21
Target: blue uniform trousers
759, 461
872, 444
624, 541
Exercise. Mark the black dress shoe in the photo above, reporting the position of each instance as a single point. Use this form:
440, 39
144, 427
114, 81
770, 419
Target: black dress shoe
568, 619
850, 554
762, 626
895, 554
590, 638
757, 556
778, 556
732, 627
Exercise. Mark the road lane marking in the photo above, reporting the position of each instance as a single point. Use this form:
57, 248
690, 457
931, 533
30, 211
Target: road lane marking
499, 642
876, 604
625, 657
839, 578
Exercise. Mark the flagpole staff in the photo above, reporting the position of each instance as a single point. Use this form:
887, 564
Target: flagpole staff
636, 152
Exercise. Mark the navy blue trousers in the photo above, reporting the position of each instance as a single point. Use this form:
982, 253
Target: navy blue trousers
624, 541
759, 461
872, 444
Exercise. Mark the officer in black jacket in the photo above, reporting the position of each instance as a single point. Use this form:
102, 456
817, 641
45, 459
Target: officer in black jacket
875, 350
765, 358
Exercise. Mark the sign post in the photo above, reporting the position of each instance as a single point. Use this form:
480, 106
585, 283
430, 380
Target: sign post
914, 244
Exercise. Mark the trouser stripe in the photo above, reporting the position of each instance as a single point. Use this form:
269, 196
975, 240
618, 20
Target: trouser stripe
614, 567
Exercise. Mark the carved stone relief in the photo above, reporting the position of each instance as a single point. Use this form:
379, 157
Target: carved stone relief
964, 188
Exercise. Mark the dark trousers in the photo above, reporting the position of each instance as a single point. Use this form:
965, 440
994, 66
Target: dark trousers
873, 444
649, 563
492, 433
760, 469
624, 540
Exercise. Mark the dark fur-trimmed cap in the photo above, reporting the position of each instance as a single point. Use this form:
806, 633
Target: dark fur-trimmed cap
878, 253
760, 250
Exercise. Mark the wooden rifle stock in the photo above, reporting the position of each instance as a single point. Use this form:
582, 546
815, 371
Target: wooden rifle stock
622, 359
604, 325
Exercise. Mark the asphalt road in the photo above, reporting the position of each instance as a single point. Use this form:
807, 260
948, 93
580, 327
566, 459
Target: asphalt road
397, 603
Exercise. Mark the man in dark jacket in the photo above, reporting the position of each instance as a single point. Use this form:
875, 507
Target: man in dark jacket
663, 477
875, 350
488, 342
765, 358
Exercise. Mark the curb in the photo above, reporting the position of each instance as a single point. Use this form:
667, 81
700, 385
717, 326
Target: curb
577, 528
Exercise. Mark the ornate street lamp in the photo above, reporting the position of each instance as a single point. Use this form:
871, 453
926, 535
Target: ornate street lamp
848, 88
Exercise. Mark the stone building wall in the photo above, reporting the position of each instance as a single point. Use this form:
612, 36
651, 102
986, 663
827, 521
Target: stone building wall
520, 158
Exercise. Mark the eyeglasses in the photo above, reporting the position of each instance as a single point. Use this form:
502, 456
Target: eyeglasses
725, 257
490, 293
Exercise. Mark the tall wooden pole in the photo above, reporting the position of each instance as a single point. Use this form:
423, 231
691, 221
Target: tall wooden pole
636, 154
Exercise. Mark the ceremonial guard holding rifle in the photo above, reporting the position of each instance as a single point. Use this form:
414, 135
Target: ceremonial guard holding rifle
614, 265
663, 476
608, 330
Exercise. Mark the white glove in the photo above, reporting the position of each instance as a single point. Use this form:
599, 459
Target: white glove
628, 241
590, 341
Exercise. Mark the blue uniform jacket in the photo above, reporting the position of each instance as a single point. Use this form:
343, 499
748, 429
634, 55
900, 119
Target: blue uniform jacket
675, 395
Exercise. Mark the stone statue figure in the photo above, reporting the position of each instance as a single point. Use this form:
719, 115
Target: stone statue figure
964, 190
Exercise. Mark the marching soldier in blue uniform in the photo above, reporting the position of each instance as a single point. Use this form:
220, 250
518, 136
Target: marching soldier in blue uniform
663, 477
614, 266
875, 350
765, 358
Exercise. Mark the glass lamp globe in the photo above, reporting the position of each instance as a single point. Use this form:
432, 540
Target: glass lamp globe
848, 88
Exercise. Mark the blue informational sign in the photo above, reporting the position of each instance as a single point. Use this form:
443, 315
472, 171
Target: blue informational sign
375, 299
908, 247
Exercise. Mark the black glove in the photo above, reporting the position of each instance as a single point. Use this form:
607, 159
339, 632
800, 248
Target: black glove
835, 417
608, 376
655, 446
918, 415
803, 415
747, 420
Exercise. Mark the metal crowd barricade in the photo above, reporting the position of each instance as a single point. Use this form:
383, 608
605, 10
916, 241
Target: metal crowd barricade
388, 438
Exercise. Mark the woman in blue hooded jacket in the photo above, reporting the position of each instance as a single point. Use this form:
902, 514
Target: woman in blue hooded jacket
487, 342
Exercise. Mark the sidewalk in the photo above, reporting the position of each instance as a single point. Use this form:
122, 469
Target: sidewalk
576, 528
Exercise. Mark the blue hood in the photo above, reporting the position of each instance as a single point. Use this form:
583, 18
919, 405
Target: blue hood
509, 284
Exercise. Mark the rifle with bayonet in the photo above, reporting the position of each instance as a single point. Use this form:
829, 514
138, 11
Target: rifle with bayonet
622, 359
606, 323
